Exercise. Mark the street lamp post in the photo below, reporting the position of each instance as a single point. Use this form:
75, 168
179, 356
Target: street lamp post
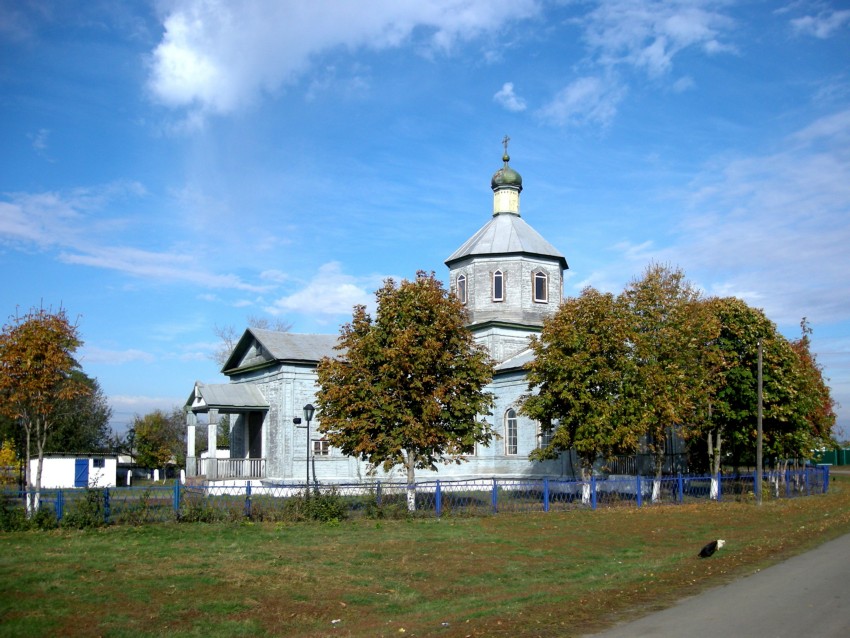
309, 410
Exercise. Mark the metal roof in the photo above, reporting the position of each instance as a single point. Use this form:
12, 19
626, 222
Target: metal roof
517, 361
282, 346
288, 346
227, 395
506, 234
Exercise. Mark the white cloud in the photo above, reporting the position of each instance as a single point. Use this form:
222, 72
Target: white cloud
73, 224
219, 57
823, 25
59, 218
274, 275
39, 140
508, 99
648, 34
330, 293
642, 35
775, 228
159, 266
95, 355
126, 407
587, 100
683, 84
771, 229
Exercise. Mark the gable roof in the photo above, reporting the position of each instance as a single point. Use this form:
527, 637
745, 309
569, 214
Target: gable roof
506, 234
226, 395
259, 348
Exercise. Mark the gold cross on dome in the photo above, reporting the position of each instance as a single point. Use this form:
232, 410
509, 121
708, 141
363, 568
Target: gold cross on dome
505, 143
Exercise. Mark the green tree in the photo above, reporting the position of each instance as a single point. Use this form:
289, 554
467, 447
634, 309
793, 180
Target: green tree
727, 413
159, 439
8, 462
582, 360
409, 389
812, 418
222, 436
37, 379
82, 423
797, 409
669, 331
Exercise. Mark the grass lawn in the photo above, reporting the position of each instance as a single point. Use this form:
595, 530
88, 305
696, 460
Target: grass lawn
546, 574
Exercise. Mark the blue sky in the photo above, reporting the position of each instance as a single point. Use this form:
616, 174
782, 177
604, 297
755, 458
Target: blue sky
168, 167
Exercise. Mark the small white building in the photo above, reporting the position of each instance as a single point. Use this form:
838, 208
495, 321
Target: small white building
60, 472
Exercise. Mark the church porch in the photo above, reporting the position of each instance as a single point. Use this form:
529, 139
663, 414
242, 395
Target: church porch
244, 458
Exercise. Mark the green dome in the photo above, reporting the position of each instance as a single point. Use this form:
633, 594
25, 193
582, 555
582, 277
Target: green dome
506, 176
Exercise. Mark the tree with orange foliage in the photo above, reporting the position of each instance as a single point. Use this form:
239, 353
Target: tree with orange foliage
408, 388
36, 366
814, 411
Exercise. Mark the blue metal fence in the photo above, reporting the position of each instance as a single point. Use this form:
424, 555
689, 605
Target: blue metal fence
474, 497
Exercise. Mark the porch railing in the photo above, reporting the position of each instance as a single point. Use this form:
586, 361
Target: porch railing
232, 468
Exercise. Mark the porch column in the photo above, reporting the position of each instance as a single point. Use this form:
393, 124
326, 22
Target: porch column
212, 444
191, 461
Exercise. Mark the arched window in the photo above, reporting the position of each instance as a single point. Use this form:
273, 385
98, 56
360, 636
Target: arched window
540, 286
510, 432
498, 286
461, 288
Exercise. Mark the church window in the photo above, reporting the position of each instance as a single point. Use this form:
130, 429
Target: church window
321, 447
541, 287
510, 432
461, 288
498, 286
545, 436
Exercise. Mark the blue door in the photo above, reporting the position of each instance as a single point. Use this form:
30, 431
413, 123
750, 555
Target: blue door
81, 472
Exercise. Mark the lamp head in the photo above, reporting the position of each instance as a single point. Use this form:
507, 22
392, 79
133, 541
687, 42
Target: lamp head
309, 410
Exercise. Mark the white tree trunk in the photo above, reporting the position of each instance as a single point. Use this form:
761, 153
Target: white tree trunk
28, 477
714, 460
585, 484
411, 481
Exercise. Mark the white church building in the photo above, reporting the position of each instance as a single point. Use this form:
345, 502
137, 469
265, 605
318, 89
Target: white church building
509, 278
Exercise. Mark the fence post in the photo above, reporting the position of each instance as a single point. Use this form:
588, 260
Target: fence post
638, 491
378, 494
176, 497
757, 480
806, 477
495, 497
106, 507
719, 488
787, 483
681, 484
825, 478
545, 494
248, 500
439, 500
60, 504
593, 491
